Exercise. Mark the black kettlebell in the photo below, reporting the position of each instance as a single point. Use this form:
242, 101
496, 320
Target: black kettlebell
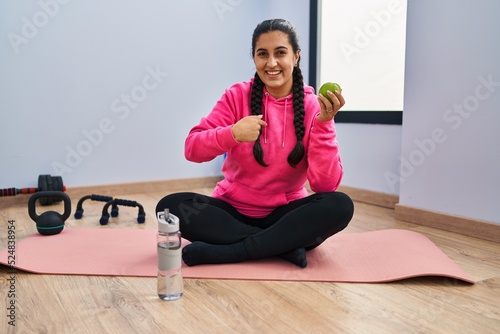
49, 222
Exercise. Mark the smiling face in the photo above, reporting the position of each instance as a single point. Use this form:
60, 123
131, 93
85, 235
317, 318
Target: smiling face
274, 60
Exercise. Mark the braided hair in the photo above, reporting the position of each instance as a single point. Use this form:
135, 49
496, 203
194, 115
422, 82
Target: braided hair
256, 108
298, 152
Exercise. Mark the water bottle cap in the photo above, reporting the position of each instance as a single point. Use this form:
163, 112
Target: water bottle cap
167, 222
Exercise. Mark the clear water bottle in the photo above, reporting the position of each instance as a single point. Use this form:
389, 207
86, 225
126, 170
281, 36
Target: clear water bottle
170, 285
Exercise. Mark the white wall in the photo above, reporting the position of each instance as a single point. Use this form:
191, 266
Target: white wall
104, 92
451, 118
363, 49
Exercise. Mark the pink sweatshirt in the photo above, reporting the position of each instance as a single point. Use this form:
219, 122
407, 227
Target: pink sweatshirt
255, 190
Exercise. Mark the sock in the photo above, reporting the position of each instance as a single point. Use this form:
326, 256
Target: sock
199, 252
296, 256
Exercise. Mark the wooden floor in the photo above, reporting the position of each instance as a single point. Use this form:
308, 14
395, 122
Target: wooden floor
94, 304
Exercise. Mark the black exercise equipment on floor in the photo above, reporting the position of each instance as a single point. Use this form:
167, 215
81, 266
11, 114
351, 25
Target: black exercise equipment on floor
141, 217
49, 222
99, 198
45, 183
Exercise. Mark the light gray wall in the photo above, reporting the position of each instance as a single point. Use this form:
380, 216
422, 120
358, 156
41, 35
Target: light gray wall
104, 92
370, 152
68, 67
450, 139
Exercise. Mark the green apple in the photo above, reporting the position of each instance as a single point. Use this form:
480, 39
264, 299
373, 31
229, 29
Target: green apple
329, 86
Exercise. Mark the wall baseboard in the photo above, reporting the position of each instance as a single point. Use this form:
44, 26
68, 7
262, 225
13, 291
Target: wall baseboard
124, 189
371, 197
466, 226
167, 186
452, 223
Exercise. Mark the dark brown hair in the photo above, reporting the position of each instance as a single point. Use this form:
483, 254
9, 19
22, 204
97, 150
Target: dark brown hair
298, 152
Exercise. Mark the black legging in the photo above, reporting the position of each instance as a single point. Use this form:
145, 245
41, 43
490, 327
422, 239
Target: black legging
306, 222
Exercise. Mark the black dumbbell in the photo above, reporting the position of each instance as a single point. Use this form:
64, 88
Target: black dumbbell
45, 183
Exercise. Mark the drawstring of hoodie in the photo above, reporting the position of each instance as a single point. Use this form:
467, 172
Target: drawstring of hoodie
284, 125
266, 119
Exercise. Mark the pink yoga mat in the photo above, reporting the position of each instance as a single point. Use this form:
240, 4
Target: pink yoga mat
378, 256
